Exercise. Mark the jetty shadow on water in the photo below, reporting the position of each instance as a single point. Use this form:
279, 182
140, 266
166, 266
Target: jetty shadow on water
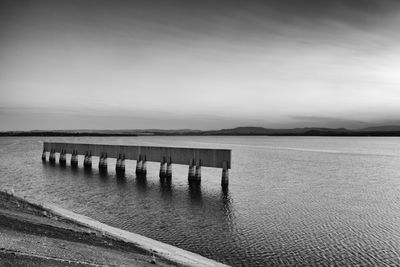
166, 188
103, 175
195, 192
139, 187
121, 178
141, 182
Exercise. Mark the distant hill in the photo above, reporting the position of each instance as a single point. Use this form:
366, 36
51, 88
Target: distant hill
308, 131
265, 131
389, 128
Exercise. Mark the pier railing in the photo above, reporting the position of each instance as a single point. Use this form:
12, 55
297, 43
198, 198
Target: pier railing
194, 157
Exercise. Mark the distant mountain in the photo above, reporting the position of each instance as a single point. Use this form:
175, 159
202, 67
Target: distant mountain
241, 130
308, 131
266, 131
388, 128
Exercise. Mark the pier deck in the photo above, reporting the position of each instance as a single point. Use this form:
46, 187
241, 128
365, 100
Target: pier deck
194, 157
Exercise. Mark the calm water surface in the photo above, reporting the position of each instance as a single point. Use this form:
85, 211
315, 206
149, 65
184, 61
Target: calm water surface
291, 200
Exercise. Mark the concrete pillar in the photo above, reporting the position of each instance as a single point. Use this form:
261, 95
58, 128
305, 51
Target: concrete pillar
191, 174
63, 159
44, 155
163, 171
144, 167
89, 161
104, 167
52, 156
198, 171
87, 164
122, 166
169, 169
103, 162
74, 158
118, 164
139, 165
225, 174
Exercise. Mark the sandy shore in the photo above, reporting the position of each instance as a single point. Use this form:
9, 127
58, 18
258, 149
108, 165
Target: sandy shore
41, 234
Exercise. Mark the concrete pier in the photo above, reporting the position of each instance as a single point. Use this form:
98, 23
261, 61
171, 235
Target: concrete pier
196, 158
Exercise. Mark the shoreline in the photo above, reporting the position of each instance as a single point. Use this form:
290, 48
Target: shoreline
35, 219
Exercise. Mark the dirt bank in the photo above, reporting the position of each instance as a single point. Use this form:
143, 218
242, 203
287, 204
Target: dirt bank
38, 234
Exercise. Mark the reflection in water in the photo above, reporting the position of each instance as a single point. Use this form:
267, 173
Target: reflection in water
226, 202
88, 171
62, 166
141, 182
142, 205
195, 192
165, 184
120, 178
103, 174
166, 188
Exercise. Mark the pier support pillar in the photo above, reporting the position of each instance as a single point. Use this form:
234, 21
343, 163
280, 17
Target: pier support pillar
44, 155
63, 158
103, 162
163, 171
198, 172
225, 174
87, 163
52, 156
74, 159
139, 165
120, 166
191, 174
144, 167
168, 174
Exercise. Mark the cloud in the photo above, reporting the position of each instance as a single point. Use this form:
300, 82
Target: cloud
232, 61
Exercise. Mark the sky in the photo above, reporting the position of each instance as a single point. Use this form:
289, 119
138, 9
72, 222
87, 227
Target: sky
207, 64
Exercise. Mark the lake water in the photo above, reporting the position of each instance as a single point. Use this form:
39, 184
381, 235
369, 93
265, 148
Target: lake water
291, 200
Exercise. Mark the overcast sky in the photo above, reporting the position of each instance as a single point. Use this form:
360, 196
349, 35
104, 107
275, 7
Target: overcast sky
199, 64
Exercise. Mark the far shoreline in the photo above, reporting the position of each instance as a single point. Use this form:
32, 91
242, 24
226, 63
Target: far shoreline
319, 134
383, 131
